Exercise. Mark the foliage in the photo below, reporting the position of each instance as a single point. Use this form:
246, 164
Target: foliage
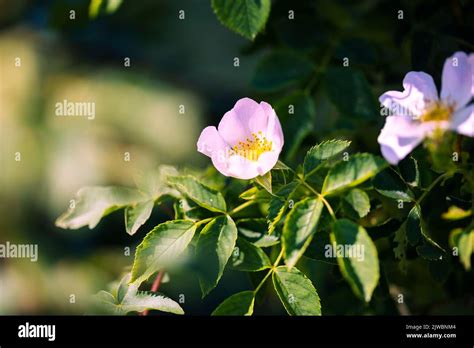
332, 193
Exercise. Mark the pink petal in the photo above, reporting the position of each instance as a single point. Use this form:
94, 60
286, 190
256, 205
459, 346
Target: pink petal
210, 142
419, 91
246, 116
399, 137
220, 160
273, 131
242, 168
463, 121
456, 82
471, 62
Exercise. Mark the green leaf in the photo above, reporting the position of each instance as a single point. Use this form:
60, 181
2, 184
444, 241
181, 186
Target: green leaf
248, 257
265, 181
415, 231
296, 292
245, 17
357, 257
463, 240
409, 171
94, 202
136, 215
255, 231
154, 182
359, 201
278, 205
413, 225
352, 172
214, 248
299, 227
186, 209
255, 194
161, 247
202, 195
113, 5
321, 152
95, 6
390, 184
400, 250
430, 250
237, 304
350, 92
297, 113
317, 247
132, 300
281, 166
281, 69
456, 213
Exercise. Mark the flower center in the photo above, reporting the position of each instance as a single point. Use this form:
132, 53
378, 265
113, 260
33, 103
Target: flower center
437, 112
253, 147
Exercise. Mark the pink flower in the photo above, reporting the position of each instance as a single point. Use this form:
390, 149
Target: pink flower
418, 112
247, 141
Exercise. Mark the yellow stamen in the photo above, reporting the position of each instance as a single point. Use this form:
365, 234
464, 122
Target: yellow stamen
437, 112
252, 148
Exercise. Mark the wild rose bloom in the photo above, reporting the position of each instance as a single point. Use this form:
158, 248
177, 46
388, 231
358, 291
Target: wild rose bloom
418, 112
247, 141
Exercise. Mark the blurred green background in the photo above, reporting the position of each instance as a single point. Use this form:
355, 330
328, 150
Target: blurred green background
178, 63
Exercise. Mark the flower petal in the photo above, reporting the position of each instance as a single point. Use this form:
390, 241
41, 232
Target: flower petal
456, 81
471, 62
246, 116
399, 137
210, 141
419, 91
242, 168
463, 121
273, 131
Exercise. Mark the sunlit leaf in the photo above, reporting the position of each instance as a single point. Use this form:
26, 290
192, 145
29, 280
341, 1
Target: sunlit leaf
136, 215
350, 173
161, 247
94, 202
356, 256
296, 292
214, 248
321, 152
245, 17
300, 226
237, 304
202, 195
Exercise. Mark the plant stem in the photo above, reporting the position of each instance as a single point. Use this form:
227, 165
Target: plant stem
275, 264
241, 207
433, 184
203, 221
319, 195
155, 286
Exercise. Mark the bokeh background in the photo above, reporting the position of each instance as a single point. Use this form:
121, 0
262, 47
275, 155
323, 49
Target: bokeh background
175, 63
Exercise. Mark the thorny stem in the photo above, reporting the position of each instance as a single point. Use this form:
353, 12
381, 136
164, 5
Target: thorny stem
155, 286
